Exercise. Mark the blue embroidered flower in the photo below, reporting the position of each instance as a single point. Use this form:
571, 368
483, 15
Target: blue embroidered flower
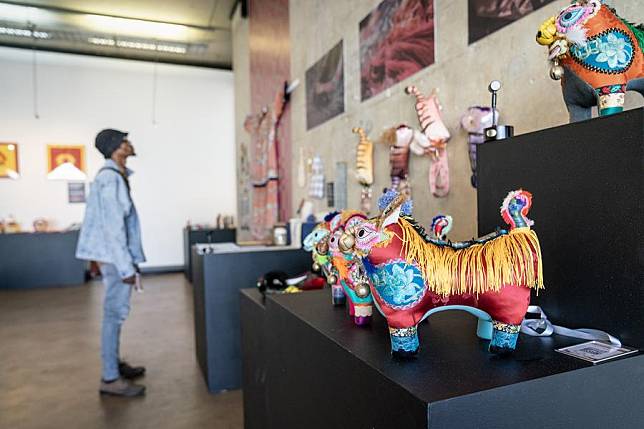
399, 285
613, 51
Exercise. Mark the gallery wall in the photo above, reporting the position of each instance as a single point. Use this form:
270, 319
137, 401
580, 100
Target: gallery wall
529, 99
185, 169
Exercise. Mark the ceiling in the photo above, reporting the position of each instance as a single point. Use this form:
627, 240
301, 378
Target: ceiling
195, 32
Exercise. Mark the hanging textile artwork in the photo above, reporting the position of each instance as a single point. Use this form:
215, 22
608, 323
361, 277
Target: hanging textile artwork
475, 121
364, 168
429, 115
264, 168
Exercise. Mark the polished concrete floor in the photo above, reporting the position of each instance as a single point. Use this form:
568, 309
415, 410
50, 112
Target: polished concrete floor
50, 361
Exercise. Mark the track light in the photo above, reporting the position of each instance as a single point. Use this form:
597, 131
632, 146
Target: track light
132, 44
20, 32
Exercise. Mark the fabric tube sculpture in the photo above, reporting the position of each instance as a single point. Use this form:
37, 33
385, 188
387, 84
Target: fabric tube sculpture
412, 273
598, 54
364, 168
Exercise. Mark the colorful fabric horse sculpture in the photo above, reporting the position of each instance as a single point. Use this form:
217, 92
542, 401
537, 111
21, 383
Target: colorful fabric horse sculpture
598, 54
475, 121
428, 109
411, 274
342, 271
317, 242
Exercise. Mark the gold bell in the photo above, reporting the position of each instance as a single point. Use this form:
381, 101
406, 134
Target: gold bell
362, 290
347, 241
556, 71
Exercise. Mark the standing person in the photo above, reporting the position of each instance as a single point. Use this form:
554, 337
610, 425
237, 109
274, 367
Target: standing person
111, 235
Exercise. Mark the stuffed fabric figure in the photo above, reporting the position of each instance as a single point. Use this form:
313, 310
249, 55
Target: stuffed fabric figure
364, 168
411, 273
598, 54
475, 121
350, 270
428, 109
317, 242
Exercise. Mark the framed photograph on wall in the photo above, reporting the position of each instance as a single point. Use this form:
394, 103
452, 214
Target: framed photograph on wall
325, 88
396, 41
487, 16
60, 154
9, 168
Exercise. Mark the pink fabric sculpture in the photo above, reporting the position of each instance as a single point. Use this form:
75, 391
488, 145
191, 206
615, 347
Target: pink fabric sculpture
428, 109
411, 274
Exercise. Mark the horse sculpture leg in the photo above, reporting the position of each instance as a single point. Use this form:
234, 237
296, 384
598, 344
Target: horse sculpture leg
337, 294
404, 341
507, 308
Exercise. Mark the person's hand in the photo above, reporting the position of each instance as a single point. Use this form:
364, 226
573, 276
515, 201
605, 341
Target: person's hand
130, 280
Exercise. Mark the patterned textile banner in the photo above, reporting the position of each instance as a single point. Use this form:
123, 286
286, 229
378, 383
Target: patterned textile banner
60, 154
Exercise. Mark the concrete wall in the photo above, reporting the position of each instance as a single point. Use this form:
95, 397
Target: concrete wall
185, 168
529, 99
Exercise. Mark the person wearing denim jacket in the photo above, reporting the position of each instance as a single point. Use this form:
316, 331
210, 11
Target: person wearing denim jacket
111, 235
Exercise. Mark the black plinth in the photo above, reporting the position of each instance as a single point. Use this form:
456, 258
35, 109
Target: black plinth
217, 278
587, 181
195, 236
324, 372
36, 260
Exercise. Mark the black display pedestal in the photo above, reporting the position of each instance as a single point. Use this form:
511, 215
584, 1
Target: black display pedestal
207, 235
39, 260
321, 371
587, 182
217, 278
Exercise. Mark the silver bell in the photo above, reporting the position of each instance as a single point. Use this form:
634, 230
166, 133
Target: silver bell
362, 290
556, 71
316, 266
331, 279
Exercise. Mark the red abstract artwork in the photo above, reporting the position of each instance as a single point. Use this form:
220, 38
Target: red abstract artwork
396, 41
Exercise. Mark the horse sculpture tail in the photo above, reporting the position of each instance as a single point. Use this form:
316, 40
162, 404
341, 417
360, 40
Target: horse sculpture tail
515, 209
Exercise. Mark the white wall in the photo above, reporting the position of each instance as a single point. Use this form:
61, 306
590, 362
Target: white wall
185, 167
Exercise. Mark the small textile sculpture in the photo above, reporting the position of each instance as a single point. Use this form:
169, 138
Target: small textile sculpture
350, 269
399, 139
364, 168
441, 226
475, 121
411, 273
317, 242
598, 54
432, 125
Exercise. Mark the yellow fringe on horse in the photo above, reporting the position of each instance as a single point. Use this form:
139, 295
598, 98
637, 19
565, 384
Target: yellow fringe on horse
512, 259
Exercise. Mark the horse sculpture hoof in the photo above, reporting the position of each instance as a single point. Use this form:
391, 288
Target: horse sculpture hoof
337, 295
362, 320
504, 338
404, 342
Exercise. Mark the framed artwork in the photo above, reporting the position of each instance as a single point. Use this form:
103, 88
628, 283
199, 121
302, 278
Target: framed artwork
325, 88
60, 154
9, 168
396, 41
487, 16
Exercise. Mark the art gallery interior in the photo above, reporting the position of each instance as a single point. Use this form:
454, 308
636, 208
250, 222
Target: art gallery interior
321, 214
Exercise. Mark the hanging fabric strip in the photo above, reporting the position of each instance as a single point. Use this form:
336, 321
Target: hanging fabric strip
542, 327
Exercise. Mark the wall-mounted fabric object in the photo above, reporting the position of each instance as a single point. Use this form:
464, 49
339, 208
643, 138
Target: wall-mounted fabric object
364, 168
428, 110
475, 120
316, 182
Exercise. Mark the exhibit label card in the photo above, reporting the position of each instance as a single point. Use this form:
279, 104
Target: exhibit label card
596, 351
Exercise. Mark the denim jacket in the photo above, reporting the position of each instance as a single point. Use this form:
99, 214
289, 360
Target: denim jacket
111, 232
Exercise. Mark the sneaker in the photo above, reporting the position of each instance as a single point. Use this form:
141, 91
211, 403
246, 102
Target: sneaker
130, 372
121, 387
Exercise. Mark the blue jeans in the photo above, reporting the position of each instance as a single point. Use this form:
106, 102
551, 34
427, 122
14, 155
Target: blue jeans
116, 307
